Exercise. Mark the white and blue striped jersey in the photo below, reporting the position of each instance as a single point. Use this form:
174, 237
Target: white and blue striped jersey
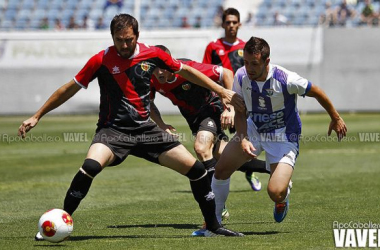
272, 105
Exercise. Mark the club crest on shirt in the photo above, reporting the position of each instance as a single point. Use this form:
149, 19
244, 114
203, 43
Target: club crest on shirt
269, 92
262, 102
240, 52
221, 52
186, 86
145, 66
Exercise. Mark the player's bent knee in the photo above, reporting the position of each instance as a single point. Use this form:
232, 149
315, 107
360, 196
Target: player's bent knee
223, 173
197, 171
91, 168
276, 194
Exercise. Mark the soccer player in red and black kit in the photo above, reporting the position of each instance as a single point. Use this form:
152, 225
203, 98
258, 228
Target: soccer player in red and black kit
202, 109
124, 71
227, 51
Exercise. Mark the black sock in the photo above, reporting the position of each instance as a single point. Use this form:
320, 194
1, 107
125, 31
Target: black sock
210, 167
202, 193
80, 185
255, 165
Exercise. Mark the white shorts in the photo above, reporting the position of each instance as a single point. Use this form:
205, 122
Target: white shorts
276, 150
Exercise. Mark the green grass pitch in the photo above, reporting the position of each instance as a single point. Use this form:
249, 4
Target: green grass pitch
140, 205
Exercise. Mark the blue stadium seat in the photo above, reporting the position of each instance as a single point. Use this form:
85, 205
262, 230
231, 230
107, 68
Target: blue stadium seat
53, 14
6, 25
13, 5
28, 4
95, 13
39, 14
10, 14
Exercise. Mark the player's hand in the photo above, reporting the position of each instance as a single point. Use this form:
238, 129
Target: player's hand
26, 126
230, 97
227, 118
339, 126
170, 130
248, 148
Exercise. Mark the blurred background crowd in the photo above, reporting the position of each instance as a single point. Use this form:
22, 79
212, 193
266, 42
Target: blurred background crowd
169, 14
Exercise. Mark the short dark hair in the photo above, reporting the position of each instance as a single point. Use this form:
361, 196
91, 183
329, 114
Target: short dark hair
230, 11
123, 21
256, 45
164, 48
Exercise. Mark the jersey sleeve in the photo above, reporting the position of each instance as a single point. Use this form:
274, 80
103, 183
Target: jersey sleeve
152, 93
89, 71
214, 72
297, 84
207, 56
167, 61
236, 87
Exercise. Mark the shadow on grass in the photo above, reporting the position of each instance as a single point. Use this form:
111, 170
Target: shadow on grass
231, 191
155, 236
83, 238
175, 226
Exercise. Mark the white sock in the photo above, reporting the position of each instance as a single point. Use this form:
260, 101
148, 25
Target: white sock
221, 189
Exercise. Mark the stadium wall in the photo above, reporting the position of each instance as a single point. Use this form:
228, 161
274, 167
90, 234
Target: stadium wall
344, 62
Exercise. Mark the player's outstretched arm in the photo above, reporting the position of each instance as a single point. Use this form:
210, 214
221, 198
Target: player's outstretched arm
156, 117
60, 96
242, 135
227, 96
227, 117
337, 124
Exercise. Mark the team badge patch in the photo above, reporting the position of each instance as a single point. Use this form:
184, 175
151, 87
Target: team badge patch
240, 52
261, 102
145, 66
269, 92
186, 86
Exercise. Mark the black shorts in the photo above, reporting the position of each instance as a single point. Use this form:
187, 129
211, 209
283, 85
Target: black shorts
148, 142
207, 120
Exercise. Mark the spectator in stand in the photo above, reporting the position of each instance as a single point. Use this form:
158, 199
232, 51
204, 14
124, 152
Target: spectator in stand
100, 25
118, 3
87, 23
368, 15
344, 13
198, 22
58, 25
279, 19
44, 25
185, 23
250, 21
72, 24
218, 16
328, 18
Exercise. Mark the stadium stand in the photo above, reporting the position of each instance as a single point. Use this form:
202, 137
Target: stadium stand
156, 14
28, 14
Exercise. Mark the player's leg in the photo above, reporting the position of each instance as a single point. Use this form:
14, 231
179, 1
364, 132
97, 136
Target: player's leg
278, 188
98, 156
230, 160
181, 160
249, 167
282, 158
203, 147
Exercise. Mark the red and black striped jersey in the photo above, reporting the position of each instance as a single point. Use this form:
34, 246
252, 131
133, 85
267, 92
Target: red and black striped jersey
125, 84
189, 97
230, 56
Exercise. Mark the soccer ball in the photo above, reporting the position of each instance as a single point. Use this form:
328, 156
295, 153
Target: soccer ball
55, 225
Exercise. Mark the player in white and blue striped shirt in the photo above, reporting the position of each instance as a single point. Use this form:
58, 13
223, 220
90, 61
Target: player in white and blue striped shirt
271, 123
